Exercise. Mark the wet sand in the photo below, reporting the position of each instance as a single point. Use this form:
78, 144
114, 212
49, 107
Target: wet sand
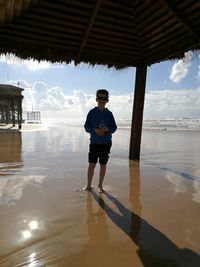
149, 215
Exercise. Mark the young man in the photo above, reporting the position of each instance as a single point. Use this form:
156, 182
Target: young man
100, 123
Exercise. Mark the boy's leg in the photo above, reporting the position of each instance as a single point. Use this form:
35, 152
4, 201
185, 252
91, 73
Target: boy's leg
92, 158
104, 155
102, 173
90, 175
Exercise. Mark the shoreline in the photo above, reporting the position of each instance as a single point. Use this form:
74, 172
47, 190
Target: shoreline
24, 127
45, 126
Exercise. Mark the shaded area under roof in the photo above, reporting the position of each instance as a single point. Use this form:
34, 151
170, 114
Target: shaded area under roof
114, 33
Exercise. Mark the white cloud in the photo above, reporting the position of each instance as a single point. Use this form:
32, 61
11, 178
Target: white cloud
53, 102
198, 74
176, 103
180, 69
30, 64
35, 65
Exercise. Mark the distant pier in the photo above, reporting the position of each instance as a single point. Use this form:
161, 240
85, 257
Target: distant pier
11, 105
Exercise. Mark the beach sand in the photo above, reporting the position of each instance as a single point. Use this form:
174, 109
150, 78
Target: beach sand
149, 215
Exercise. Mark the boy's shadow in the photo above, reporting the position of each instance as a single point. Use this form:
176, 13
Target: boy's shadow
155, 249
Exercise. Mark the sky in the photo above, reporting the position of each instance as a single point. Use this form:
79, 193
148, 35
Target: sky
67, 92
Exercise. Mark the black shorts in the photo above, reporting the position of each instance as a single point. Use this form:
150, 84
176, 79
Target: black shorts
99, 151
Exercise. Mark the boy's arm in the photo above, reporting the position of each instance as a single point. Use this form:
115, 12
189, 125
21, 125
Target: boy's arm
88, 127
113, 125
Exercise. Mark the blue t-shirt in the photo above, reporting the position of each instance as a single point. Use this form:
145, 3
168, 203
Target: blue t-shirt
97, 119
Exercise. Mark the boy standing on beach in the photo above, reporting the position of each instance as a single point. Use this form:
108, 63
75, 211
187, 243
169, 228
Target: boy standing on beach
100, 123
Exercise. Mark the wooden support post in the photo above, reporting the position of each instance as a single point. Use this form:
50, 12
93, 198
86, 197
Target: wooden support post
7, 114
137, 115
19, 113
20, 124
13, 112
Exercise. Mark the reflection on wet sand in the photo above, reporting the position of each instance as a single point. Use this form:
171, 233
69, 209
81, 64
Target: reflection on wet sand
93, 252
11, 189
96, 222
10, 151
149, 215
134, 197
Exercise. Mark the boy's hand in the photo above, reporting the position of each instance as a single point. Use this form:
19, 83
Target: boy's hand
105, 129
99, 131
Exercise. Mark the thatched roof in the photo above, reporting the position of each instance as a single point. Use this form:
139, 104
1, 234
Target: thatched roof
120, 33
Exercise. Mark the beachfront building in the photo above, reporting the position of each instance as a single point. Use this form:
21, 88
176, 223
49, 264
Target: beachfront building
10, 105
113, 33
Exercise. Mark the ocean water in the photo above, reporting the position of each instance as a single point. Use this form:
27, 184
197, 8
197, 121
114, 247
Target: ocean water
192, 124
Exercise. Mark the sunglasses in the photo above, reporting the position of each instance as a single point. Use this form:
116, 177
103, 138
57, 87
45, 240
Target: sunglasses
102, 98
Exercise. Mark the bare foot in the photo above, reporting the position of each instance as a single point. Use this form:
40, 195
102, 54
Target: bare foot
101, 190
87, 188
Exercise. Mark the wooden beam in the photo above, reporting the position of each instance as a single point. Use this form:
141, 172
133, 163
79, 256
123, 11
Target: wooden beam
170, 52
85, 37
171, 8
137, 115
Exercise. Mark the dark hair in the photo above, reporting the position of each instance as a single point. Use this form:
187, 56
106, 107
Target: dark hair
102, 91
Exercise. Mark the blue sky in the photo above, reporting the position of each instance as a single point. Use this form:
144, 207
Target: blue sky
68, 92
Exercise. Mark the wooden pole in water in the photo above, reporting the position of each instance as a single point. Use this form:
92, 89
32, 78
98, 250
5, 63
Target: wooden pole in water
137, 115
